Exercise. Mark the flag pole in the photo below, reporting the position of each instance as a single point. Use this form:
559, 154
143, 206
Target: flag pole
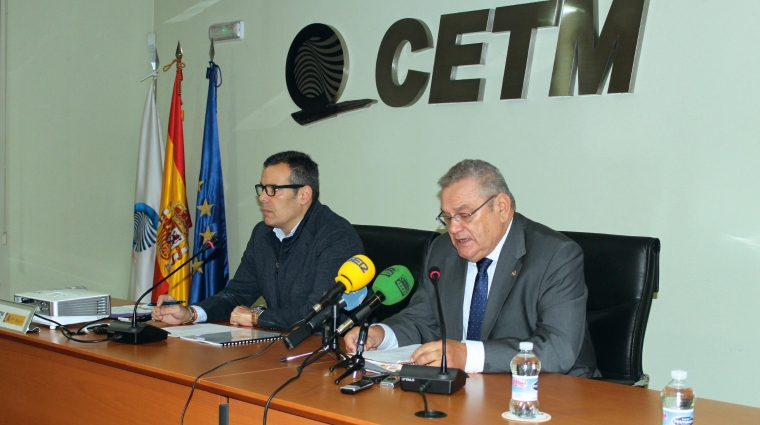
173, 247
154, 64
210, 272
150, 163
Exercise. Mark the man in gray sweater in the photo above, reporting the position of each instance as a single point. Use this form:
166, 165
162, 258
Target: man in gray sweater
291, 259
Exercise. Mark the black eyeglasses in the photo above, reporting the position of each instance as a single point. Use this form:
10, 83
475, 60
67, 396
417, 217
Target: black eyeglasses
271, 189
461, 217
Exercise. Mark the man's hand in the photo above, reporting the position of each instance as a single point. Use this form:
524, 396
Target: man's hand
241, 315
430, 354
375, 336
172, 314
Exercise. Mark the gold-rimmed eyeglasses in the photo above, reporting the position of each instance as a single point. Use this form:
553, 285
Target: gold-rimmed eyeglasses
445, 220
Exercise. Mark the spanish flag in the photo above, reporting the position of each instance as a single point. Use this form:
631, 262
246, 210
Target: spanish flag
173, 249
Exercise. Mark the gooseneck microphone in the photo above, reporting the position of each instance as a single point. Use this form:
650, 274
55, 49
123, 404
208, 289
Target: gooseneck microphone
391, 286
434, 274
428, 379
141, 333
356, 273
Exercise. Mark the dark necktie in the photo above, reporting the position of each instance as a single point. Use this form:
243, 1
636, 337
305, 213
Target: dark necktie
479, 299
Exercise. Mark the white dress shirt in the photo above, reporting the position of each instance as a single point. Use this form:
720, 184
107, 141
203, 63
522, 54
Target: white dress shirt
475, 351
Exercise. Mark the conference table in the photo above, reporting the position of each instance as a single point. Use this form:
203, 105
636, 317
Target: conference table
46, 378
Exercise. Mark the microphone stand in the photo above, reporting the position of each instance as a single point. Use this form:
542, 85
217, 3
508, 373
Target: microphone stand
428, 379
355, 363
141, 333
330, 342
427, 413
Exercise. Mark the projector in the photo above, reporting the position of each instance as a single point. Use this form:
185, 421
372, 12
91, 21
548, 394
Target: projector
72, 305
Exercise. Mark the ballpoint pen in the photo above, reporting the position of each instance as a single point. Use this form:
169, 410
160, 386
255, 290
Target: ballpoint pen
287, 359
166, 303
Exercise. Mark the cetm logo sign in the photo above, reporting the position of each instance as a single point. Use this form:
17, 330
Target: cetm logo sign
584, 54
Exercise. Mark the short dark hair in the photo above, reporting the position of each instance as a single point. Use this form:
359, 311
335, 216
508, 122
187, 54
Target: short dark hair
303, 170
489, 178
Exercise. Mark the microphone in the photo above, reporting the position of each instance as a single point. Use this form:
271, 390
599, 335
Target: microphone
347, 302
443, 381
353, 275
141, 333
390, 287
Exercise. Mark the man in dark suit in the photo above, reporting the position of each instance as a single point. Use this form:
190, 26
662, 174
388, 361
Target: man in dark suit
504, 279
291, 259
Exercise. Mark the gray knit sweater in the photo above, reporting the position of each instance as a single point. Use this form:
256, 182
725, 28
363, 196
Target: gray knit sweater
291, 275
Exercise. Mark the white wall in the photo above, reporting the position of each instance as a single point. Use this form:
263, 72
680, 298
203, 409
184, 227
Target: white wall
5, 289
74, 108
675, 160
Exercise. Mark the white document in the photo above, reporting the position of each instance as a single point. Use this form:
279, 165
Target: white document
391, 359
191, 331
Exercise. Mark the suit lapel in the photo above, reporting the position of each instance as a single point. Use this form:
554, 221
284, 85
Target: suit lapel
507, 271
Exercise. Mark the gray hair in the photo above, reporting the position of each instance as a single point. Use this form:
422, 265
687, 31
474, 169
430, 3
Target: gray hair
489, 178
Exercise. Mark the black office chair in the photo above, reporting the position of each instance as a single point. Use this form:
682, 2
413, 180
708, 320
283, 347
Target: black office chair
622, 274
388, 246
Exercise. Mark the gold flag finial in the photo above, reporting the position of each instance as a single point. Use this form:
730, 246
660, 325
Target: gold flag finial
178, 59
211, 51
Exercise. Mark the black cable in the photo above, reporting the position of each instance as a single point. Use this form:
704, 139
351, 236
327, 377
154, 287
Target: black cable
192, 388
92, 323
422, 389
298, 375
68, 333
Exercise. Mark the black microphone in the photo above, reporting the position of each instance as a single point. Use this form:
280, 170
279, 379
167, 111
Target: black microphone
141, 333
443, 381
347, 302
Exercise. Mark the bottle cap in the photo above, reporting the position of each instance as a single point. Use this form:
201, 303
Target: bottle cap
678, 374
526, 346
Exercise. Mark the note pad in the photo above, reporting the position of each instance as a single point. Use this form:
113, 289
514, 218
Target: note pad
236, 337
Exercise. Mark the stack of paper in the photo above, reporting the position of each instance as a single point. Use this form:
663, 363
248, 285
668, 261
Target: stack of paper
389, 360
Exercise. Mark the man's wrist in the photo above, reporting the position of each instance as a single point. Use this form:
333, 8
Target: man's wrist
389, 337
255, 313
193, 315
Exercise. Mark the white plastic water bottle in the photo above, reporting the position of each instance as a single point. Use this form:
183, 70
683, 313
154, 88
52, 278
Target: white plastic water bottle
525, 368
677, 401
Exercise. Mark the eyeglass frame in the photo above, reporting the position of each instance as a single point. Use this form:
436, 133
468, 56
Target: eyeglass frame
459, 217
264, 188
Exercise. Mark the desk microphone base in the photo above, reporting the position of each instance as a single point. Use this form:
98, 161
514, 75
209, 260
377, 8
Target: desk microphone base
430, 414
125, 333
414, 376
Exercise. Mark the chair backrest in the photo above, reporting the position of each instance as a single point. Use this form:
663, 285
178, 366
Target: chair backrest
622, 274
388, 246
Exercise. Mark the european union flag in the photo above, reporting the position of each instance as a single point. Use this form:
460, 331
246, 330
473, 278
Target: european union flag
211, 269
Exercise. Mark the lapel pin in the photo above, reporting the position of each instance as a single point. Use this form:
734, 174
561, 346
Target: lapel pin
514, 272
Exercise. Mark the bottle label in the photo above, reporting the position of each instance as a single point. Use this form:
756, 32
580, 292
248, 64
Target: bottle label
524, 388
677, 417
